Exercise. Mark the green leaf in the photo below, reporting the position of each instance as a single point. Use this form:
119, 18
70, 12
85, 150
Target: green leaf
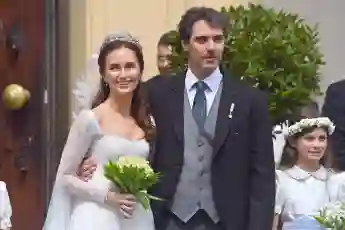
143, 198
154, 198
112, 173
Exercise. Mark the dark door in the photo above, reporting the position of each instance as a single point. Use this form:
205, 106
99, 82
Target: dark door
21, 76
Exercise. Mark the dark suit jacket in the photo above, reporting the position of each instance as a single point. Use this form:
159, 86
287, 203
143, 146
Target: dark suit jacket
243, 177
334, 109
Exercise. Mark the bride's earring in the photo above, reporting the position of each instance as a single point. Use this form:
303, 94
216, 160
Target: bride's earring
105, 83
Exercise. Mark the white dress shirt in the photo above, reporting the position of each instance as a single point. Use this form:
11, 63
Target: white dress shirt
213, 81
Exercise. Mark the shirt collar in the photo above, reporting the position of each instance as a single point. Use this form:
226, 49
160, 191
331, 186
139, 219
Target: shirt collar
299, 174
212, 81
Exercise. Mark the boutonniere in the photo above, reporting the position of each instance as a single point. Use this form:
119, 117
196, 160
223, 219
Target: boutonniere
231, 110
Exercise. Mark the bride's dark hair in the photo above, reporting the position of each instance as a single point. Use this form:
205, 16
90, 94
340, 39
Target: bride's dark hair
139, 108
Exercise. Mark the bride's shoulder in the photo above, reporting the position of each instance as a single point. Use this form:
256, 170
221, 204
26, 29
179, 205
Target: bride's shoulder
85, 115
86, 119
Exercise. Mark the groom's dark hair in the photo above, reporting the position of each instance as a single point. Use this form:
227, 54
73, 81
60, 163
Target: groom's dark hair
213, 17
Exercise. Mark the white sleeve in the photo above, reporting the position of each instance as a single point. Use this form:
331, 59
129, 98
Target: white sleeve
280, 196
81, 137
5, 207
337, 183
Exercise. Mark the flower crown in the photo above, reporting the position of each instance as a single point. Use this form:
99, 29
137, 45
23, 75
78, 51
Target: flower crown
124, 37
320, 122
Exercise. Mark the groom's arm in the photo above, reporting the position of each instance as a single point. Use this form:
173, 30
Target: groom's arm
262, 170
154, 90
149, 90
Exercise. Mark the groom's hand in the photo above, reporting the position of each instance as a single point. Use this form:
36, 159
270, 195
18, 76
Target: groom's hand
86, 169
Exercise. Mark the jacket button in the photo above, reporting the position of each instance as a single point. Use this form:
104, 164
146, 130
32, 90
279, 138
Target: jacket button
200, 142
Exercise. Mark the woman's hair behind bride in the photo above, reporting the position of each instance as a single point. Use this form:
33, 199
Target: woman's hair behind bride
139, 107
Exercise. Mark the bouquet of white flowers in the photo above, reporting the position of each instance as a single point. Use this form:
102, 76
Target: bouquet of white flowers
332, 216
134, 175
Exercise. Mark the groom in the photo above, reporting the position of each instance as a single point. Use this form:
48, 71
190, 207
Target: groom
214, 139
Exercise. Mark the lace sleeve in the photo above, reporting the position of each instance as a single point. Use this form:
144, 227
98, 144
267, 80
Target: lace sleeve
5, 207
81, 136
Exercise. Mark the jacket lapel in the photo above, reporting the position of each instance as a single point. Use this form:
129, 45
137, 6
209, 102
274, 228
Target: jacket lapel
225, 115
176, 104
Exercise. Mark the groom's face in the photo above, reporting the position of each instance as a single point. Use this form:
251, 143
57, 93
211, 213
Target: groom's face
205, 47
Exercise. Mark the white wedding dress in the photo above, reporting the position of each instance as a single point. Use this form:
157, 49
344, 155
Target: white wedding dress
76, 204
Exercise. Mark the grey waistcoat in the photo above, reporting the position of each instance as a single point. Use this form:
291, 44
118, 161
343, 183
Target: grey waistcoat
194, 189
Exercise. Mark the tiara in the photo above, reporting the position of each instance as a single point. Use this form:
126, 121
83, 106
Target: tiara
124, 37
320, 122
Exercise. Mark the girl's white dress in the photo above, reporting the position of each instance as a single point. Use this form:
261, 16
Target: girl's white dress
76, 204
5, 207
300, 195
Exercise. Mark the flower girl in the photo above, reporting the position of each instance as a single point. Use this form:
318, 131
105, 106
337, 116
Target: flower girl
305, 179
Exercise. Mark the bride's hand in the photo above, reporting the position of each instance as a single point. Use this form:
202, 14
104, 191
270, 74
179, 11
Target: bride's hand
126, 202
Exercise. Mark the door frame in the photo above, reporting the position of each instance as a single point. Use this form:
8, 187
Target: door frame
50, 93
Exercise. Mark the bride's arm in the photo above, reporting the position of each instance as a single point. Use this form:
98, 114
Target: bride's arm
81, 136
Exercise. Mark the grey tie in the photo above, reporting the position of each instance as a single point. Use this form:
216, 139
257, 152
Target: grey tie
199, 109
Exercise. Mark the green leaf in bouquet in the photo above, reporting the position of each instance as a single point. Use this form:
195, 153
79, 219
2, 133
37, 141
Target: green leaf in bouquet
143, 198
136, 178
128, 177
319, 219
152, 180
154, 197
113, 173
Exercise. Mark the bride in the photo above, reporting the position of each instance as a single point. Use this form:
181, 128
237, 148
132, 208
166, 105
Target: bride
118, 123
